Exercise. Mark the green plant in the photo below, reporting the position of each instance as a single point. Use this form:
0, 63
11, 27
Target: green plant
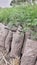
25, 15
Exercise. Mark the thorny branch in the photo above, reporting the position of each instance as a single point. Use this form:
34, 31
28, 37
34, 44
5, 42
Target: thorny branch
3, 58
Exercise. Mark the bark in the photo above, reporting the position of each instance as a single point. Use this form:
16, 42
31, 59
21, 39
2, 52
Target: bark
8, 41
17, 43
30, 53
36, 63
3, 34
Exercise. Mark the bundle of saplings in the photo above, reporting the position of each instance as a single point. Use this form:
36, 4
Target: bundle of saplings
3, 34
17, 43
36, 63
27, 35
30, 53
5, 37
8, 41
